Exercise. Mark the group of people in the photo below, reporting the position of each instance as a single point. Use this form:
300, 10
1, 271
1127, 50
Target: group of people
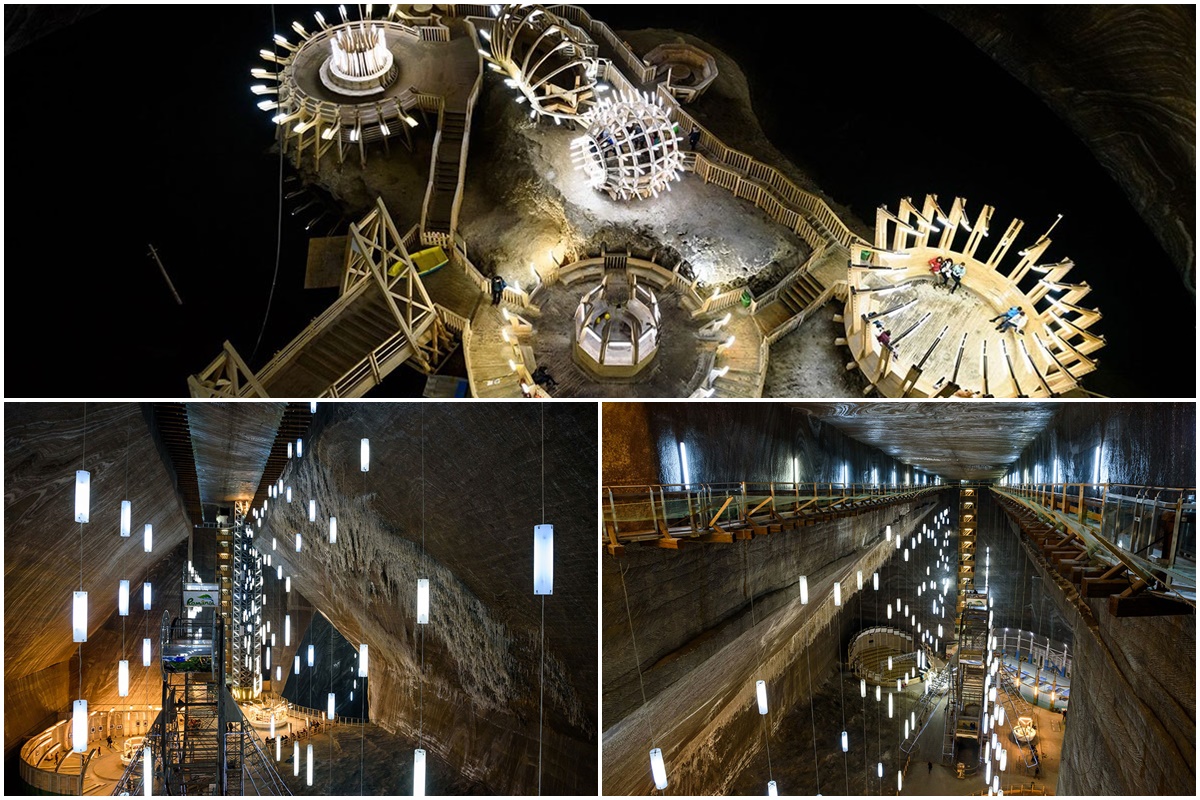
947, 272
1012, 319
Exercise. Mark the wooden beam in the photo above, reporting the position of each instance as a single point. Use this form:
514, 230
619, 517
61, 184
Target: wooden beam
1099, 587
716, 538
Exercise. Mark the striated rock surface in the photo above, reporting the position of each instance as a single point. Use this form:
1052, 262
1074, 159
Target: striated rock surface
1123, 77
483, 494
44, 446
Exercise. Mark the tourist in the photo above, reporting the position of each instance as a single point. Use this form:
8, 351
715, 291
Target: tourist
1016, 322
694, 137
944, 274
1012, 312
935, 266
930, 767
885, 339
542, 377
498, 285
957, 273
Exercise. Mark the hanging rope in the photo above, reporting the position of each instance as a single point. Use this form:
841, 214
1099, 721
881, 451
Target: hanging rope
421, 683
278, 223
636, 660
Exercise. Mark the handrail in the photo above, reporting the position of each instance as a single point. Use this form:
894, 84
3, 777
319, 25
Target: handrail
1119, 523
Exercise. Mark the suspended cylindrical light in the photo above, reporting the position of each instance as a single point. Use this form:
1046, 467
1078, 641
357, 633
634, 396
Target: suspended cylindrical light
364, 455
278, 672
999, 715
279, 572
772, 789
287, 630
803, 590
278, 748
877, 694
288, 494
148, 538
312, 510
147, 772
889, 663
123, 678
1003, 760
273, 543
760, 688
79, 617
83, 495
79, 727
862, 687
299, 448
418, 773
126, 517
422, 601
543, 559
329, 710
860, 580
879, 769
987, 771
906, 555
298, 541
145, 652
268, 659
889, 611
123, 599
846, 742
837, 593
887, 532
297, 670
333, 530
890, 708
272, 726
899, 780
658, 769
905, 729
287, 583
147, 596
363, 652
310, 764
312, 652
875, 581
295, 759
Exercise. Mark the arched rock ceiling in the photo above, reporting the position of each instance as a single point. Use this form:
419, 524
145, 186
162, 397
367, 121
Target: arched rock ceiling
966, 440
230, 444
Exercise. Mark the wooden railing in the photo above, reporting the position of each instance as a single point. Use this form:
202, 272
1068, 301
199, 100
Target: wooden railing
643, 72
789, 279
318, 324
796, 320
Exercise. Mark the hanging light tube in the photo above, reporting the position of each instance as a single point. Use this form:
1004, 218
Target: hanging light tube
79, 727
310, 764
297, 667
148, 538
363, 652
846, 742
126, 517
803, 590
837, 593
145, 652
333, 530
658, 769
147, 772
298, 541
123, 599
79, 617
123, 678
364, 455
278, 748
147, 596
295, 758
83, 495
299, 448
329, 710
760, 687
312, 510
311, 654
772, 789
418, 773
423, 601
543, 559
287, 583
287, 630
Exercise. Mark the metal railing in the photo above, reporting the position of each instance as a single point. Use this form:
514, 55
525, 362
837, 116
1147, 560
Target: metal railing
1150, 529
649, 511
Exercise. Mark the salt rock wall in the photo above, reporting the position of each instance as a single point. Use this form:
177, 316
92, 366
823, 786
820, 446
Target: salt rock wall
1123, 77
1132, 720
701, 646
44, 446
732, 442
483, 494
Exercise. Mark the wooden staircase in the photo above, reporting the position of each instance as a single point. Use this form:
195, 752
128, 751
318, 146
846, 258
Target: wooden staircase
447, 164
797, 296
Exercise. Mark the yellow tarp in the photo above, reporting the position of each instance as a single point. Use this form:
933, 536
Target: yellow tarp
425, 261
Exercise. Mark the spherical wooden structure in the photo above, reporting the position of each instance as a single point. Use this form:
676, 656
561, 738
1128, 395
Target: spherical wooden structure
547, 59
631, 148
949, 337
